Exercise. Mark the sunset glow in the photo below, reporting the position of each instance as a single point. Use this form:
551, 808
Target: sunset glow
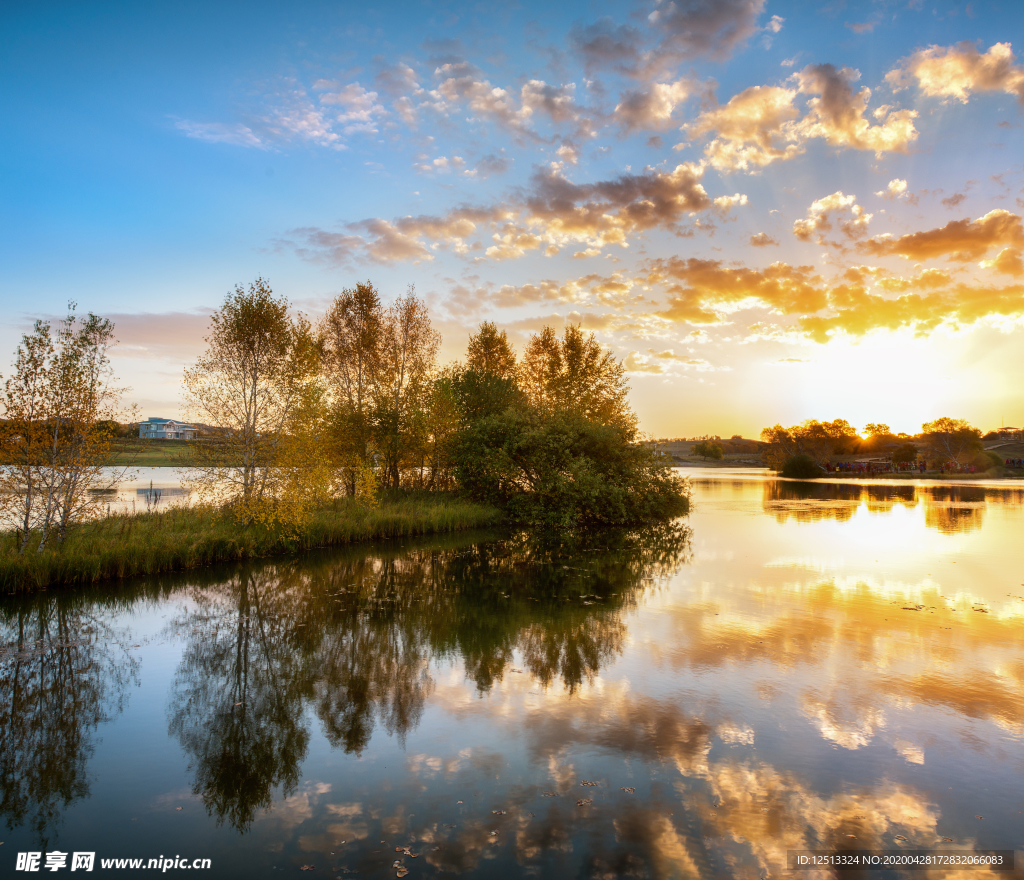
770, 211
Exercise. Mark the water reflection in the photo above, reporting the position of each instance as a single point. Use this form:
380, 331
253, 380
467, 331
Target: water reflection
64, 669
820, 666
353, 635
948, 509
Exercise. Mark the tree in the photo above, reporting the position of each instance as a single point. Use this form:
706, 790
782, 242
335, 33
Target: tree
489, 352
801, 467
575, 374
561, 470
904, 454
352, 335
707, 449
408, 358
59, 404
956, 439
258, 383
817, 440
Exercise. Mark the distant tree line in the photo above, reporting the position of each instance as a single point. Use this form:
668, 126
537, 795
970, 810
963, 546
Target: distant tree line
810, 446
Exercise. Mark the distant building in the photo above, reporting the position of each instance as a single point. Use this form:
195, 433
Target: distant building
166, 429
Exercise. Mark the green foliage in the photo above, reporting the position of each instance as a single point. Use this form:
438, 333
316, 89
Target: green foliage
707, 449
800, 467
562, 470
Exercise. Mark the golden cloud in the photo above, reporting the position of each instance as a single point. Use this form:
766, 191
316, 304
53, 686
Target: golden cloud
959, 240
762, 124
820, 214
957, 71
703, 289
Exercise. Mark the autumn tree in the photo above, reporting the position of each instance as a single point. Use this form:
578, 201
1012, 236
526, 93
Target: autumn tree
59, 404
490, 352
352, 334
257, 384
575, 374
820, 441
956, 439
408, 356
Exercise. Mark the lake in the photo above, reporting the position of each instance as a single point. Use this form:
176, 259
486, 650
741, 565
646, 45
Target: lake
835, 666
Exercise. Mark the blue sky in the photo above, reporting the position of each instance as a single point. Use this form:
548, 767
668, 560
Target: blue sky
707, 186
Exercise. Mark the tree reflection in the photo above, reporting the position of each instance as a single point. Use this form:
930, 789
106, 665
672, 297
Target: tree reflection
948, 509
62, 673
353, 635
237, 703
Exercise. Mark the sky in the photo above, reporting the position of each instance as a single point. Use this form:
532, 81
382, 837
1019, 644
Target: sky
769, 211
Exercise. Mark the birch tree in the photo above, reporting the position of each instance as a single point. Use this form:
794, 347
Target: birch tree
408, 358
256, 386
59, 406
352, 334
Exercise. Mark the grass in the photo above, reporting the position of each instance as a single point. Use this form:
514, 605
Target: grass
151, 453
183, 538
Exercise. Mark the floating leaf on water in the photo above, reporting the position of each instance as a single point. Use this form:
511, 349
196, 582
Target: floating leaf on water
584, 802
459, 802
588, 782
900, 837
629, 790
947, 839
979, 817
550, 794
498, 812
177, 809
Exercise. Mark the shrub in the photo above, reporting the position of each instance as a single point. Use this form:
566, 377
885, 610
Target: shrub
801, 467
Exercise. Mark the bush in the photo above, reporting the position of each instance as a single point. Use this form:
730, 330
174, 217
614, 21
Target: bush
801, 467
707, 449
563, 471
988, 460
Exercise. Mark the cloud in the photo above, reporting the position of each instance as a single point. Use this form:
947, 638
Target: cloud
691, 28
490, 165
651, 108
954, 200
820, 217
838, 114
762, 124
360, 109
959, 240
927, 279
677, 31
551, 212
857, 312
896, 189
606, 44
236, 134
703, 291
752, 129
461, 83
1008, 261
662, 362
957, 71
775, 24
763, 239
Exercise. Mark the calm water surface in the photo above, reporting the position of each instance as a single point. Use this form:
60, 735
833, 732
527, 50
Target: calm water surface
793, 666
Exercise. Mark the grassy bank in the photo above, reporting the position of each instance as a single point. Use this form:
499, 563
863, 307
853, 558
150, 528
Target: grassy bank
178, 538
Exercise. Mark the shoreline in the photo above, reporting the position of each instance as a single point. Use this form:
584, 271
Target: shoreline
181, 538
